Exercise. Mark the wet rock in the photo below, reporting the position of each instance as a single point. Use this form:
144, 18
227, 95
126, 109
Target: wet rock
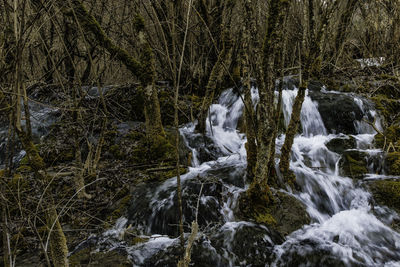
246, 244
315, 85
203, 254
184, 151
338, 111
290, 214
290, 82
319, 256
353, 164
207, 149
233, 244
340, 144
386, 193
157, 211
284, 213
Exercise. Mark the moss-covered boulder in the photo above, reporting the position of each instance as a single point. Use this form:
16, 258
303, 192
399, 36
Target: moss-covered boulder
340, 144
284, 213
392, 163
338, 111
353, 164
386, 193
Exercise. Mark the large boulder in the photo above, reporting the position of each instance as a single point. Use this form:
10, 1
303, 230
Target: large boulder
338, 111
233, 244
284, 213
340, 144
206, 148
154, 206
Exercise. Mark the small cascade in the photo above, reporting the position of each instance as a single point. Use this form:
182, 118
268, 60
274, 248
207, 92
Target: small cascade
311, 121
345, 229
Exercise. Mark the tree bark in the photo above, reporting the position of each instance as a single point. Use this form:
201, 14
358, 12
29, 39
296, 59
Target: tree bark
266, 120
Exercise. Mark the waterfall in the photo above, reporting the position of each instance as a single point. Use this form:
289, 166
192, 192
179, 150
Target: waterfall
345, 230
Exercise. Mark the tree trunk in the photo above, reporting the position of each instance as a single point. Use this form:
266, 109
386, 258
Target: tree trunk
266, 120
58, 242
143, 69
222, 64
249, 115
342, 28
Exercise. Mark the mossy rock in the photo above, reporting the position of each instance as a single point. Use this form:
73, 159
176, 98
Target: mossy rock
389, 108
387, 193
340, 144
353, 164
290, 214
156, 149
392, 163
86, 257
392, 134
283, 213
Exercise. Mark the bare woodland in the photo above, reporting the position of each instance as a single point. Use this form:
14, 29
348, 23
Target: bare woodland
163, 64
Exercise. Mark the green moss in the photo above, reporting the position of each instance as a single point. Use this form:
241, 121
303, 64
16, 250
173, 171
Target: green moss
353, 164
387, 193
385, 76
138, 23
156, 149
346, 88
18, 182
24, 169
265, 218
254, 204
393, 163
282, 212
392, 134
389, 108
164, 175
135, 136
120, 210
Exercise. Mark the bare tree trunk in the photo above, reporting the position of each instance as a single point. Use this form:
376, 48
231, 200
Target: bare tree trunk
251, 146
266, 120
58, 242
176, 78
143, 69
294, 123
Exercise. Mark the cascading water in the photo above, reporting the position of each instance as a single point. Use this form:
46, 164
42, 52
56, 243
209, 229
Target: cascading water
345, 230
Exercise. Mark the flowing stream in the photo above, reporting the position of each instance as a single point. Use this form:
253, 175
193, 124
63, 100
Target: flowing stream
346, 228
